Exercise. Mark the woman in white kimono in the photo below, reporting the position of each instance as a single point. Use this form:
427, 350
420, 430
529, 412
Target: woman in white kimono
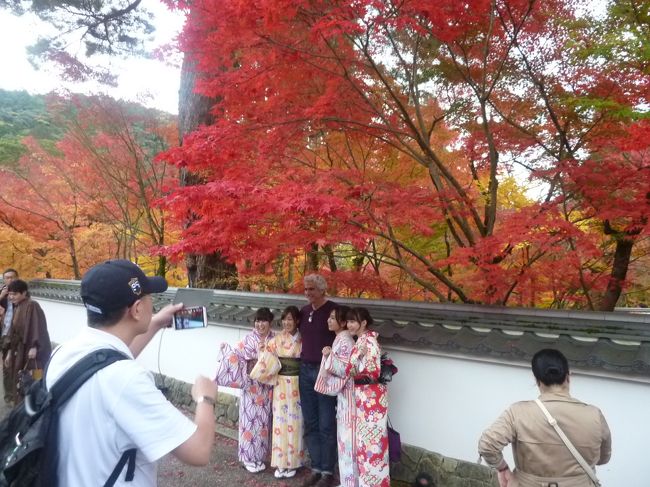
338, 357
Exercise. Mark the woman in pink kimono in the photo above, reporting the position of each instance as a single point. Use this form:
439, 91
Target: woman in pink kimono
371, 401
287, 451
255, 400
338, 357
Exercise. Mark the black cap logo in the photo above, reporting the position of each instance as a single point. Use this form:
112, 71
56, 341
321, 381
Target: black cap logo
135, 286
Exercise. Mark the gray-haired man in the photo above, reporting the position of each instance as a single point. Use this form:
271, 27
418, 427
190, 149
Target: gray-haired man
318, 410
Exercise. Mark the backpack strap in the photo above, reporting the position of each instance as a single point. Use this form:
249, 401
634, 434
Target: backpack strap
128, 457
84, 369
64, 388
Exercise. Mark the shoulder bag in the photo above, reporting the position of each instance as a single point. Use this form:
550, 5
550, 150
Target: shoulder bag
326, 382
576, 454
266, 369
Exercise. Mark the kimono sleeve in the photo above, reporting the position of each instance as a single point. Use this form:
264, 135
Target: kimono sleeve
339, 358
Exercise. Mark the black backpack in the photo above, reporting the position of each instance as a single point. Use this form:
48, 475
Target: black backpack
28, 436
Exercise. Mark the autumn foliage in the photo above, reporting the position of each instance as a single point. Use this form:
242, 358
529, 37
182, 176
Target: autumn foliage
90, 195
382, 142
482, 152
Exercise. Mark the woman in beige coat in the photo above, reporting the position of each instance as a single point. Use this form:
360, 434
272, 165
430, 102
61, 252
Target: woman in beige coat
541, 457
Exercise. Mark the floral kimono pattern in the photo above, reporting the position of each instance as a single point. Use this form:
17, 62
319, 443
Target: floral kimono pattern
254, 405
230, 369
371, 402
345, 408
287, 450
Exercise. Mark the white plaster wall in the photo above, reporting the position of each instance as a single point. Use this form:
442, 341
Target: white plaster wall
443, 404
438, 402
184, 354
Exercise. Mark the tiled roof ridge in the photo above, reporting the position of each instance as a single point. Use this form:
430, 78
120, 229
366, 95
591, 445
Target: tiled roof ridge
616, 342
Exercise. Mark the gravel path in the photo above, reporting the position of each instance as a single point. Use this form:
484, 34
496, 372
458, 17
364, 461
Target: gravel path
223, 470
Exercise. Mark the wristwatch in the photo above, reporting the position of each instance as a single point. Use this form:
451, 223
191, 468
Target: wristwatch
207, 399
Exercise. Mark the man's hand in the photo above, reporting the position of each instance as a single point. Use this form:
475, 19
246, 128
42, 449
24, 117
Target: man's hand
162, 319
504, 477
203, 387
31, 353
165, 317
4, 291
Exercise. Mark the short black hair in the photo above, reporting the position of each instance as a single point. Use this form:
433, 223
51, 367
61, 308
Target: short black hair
550, 366
10, 270
359, 314
18, 286
264, 314
96, 320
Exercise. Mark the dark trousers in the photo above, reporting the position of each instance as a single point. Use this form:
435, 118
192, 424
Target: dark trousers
6, 376
319, 414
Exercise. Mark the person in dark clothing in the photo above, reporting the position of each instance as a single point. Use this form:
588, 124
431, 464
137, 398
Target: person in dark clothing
29, 339
6, 315
318, 410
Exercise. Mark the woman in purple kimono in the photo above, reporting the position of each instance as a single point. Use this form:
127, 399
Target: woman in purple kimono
256, 398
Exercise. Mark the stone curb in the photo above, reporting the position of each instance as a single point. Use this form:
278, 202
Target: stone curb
447, 472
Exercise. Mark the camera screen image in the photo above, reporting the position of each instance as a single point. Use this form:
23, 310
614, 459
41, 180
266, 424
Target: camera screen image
190, 318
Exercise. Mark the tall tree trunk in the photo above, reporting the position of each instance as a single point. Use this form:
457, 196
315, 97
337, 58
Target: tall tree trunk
621, 263
207, 271
622, 254
72, 248
331, 261
161, 269
312, 261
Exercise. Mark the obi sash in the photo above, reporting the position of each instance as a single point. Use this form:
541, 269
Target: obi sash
290, 366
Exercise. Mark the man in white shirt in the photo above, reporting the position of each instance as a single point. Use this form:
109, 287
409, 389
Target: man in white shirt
119, 408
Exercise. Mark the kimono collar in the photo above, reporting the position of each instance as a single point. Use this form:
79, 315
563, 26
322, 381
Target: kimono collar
260, 337
369, 333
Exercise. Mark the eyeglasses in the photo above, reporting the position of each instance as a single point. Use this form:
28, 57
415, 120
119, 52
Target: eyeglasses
311, 316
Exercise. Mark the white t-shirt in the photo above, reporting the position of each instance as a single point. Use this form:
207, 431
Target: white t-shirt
118, 408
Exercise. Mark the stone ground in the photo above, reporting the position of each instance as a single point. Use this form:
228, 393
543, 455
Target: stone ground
223, 470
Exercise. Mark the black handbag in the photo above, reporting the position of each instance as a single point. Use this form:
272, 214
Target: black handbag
25, 377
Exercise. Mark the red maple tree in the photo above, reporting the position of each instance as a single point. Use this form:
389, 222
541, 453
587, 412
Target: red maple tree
374, 136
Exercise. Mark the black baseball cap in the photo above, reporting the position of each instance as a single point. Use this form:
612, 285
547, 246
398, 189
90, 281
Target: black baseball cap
117, 284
